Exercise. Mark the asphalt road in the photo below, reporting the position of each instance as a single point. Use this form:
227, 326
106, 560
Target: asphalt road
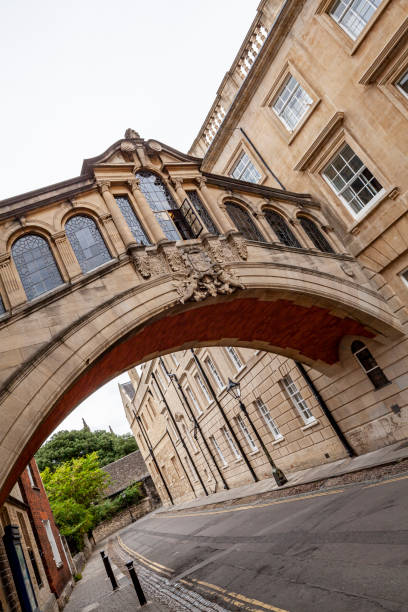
344, 549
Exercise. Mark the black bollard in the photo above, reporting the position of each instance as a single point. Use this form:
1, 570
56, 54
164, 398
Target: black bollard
109, 571
138, 588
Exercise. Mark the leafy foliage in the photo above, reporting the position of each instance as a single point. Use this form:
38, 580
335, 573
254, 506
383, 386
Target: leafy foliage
73, 489
66, 445
109, 507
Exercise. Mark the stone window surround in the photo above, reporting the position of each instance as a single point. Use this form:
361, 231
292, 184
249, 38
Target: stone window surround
323, 149
388, 67
288, 69
349, 45
213, 375
242, 147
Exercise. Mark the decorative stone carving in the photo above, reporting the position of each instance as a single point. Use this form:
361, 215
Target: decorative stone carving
150, 265
175, 260
240, 246
177, 182
129, 134
204, 278
347, 269
220, 252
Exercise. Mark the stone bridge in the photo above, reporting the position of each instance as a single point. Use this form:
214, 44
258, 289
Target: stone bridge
204, 288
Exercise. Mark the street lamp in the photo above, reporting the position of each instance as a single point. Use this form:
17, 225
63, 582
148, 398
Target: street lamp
234, 389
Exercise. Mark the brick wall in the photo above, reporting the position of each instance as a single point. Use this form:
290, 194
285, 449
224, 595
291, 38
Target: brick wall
122, 519
39, 511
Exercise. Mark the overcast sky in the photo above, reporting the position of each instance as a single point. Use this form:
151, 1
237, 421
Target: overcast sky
76, 73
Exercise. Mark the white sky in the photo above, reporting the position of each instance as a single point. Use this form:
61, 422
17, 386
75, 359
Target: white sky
76, 73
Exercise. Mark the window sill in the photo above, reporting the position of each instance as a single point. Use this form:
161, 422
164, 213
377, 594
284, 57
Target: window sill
238, 460
255, 452
311, 424
383, 195
278, 441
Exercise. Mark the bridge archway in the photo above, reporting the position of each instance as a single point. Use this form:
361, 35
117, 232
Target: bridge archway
218, 290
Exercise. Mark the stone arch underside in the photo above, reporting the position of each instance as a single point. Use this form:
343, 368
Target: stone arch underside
299, 313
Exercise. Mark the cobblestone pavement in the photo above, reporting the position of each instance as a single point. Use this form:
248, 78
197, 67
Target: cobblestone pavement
161, 590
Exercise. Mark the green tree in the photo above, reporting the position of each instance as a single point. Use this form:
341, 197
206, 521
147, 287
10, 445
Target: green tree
66, 445
74, 488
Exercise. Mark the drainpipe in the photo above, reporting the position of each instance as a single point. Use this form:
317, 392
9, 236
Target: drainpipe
149, 446
178, 432
197, 427
232, 432
348, 448
247, 138
182, 464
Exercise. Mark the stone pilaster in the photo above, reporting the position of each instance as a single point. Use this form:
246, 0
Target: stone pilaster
11, 281
118, 219
147, 216
221, 217
112, 232
67, 255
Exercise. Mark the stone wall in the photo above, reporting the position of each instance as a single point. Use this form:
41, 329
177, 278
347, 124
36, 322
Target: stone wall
122, 519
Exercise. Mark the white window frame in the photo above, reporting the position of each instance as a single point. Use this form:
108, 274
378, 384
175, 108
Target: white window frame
31, 477
233, 355
247, 435
248, 166
306, 99
270, 423
231, 444
219, 451
398, 86
214, 373
356, 174
54, 547
203, 387
297, 400
163, 369
194, 401
349, 9
175, 360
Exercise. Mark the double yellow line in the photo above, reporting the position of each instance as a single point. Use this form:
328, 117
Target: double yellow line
236, 599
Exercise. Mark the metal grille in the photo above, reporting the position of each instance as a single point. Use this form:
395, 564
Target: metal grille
35, 264
243, 222
369, 364
202, 211
132, 220
315, 235
160, 201
283, 232
87, 242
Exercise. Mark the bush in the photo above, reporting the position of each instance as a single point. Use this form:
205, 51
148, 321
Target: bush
109, 507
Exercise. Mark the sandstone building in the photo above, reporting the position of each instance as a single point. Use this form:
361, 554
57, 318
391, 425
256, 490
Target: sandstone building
317, 100
150, 251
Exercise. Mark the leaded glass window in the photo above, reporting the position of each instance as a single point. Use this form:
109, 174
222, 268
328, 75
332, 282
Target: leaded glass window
35, 265
283, 232
2, 309
87, 242
132, 220
353, 15
160, 201
243, 222
369, 364
202, 211
315, 235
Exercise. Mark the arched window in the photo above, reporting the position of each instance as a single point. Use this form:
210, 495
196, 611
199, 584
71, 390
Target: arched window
315, 235
132, 220
160, 201
282, 230
202, 211
87, 242
369, 364
36, 265
243, 222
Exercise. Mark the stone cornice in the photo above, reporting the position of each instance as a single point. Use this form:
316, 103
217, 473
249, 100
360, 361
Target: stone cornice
331, 126
282, 24
385, 55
